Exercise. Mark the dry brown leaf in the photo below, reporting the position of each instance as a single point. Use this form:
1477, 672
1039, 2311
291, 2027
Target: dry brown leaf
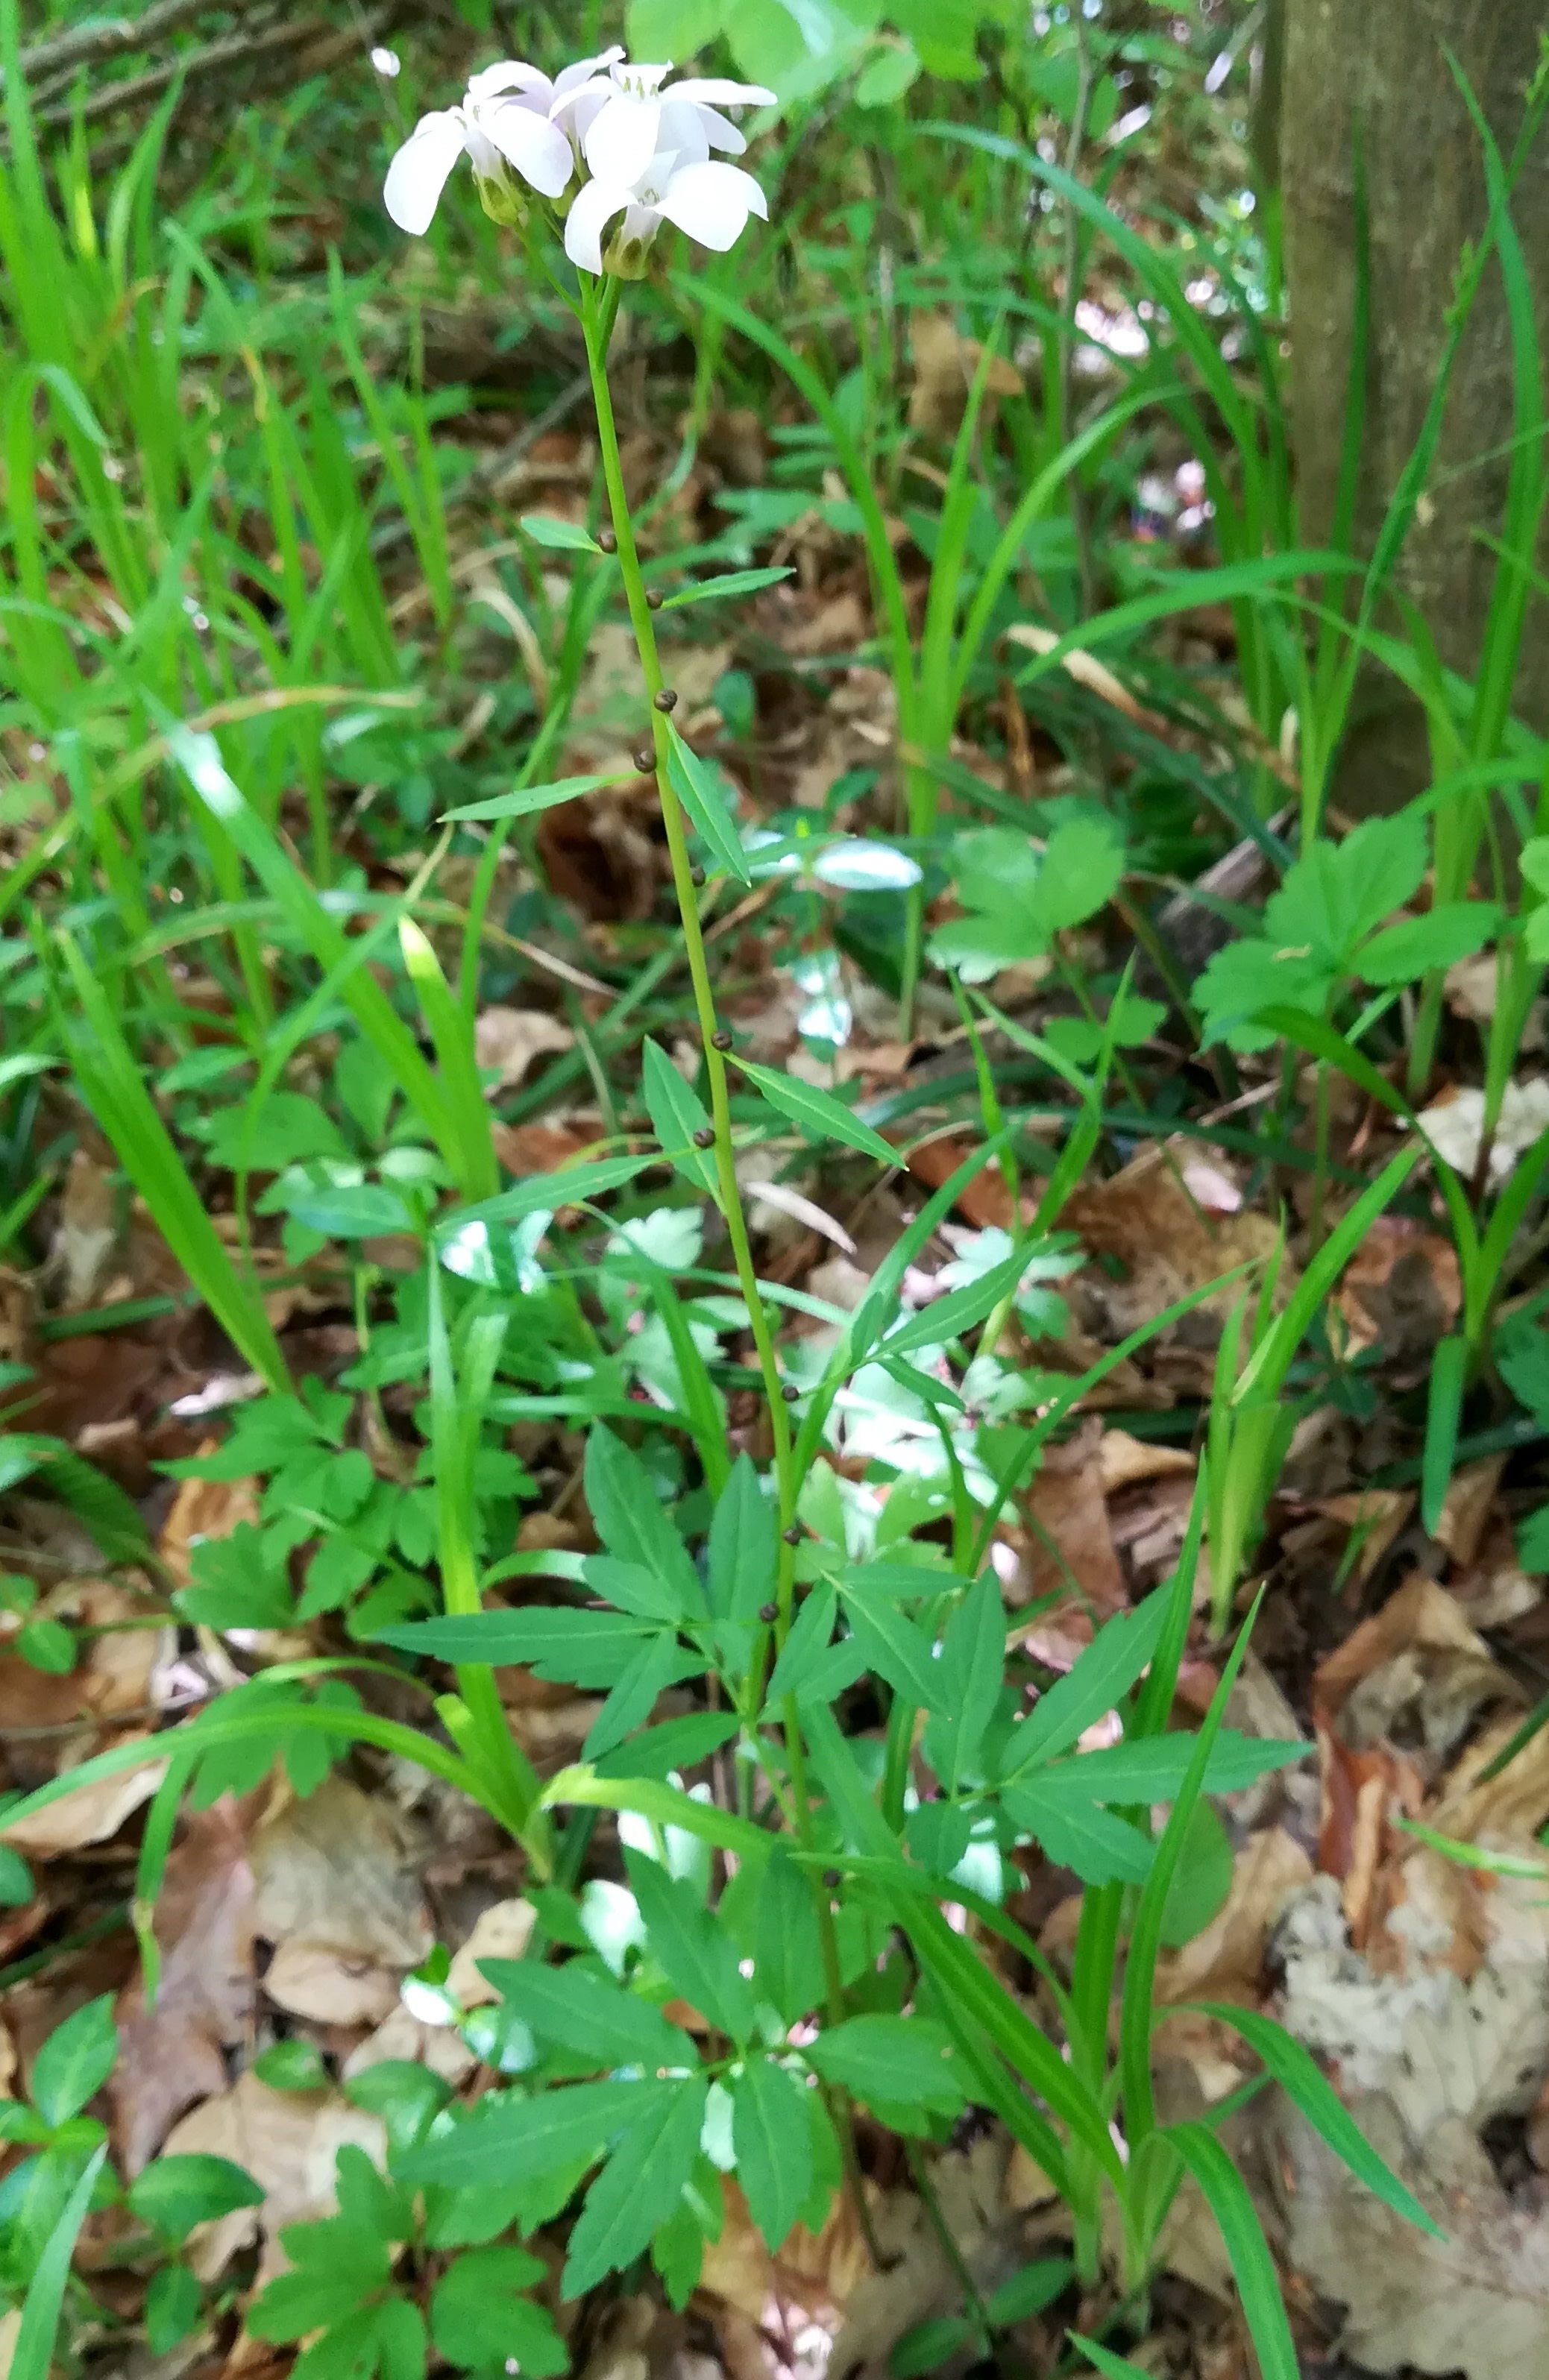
87, 1234
338, 1893
1419, 1619
289, 2142
1379, 1513
205, 1508
404, 2036
1144, 1217
1087, 671
1067, 1521
525, 1149
945, 365
985, 1200
173, 2052
1465, 1509
1126, 1462
506, 1042
502, 1932
93, 1812
1401, 1289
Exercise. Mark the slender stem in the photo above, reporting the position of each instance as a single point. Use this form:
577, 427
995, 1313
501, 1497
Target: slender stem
597, 325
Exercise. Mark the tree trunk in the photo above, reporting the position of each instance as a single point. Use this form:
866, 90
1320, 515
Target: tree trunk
1374, 74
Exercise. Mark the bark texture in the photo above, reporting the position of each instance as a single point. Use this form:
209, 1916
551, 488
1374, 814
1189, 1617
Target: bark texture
1375, 72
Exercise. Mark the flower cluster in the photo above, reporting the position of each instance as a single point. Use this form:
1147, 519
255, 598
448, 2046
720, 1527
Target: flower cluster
604, 139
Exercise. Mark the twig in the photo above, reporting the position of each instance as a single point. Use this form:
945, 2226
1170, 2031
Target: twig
109, 38
198, 62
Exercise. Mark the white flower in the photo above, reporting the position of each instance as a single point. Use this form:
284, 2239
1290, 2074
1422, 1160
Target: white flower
709, 200
387, 63
622, 119
505, 120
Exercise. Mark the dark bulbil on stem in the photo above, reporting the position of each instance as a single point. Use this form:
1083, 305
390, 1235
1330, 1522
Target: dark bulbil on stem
721, 1039
607, 541
668, 699
705, 1137
645, 760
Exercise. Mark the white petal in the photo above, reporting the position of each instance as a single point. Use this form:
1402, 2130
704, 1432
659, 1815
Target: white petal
569, 77
682, 131
511, 74
621, 143
568, 98
591, 210
719, 130
417, 174
536, 148
717, 93
712, 203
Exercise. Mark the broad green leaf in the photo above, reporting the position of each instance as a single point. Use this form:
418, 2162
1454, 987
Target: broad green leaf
479, 2317
173, 2304
361, 1211
744, 1550
1202, 1881
818, 1113
175, 2193
508, 2136
559, 536
895, 2059
582, 2010
677, 1113
1101, 1678
75, 2061
733, 582
1082, 868
636, 1693
695, 1950
1308, 2089
638, 2187
524, 800
773, 2138
1403, 953
33, 2352
698, 787
676, 1743
1029, 2291
1103, 2359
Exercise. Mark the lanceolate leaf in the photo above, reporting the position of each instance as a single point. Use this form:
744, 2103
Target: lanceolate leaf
899, 1651
639, 2186
589, 2014
677, 1113
734, 582
511, 2138
569, 1646
523, 800
1096, 1845
1253, 2265
626, 1507
744, 1555
773, 2138
698, 1953
1104, 1672
1151, 1768
697, 788
818, 1112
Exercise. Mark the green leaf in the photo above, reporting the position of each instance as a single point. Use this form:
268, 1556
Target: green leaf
972, 1667
1444, 1407
882, 80
773, 2138
1103, 2359
1150, 1769
293, 2065
566, 1187
697, 1953
173, 2304
1029, 2291
1258, 2282
1307, 2088
638, 2189
175, 2193
677, 1113
676, 1743
361, 1211
479, 2317
928, 2346
899, 1651
1082, 867
805, 1648
698, 787
732, 582
947, 1318
1094, 1843
1403, 953
788, 1945
818, 1113
75, 2061
895, 2059
1203, 1878
744, 1549
557, 1642
525, 800
17, 1887
47, 1644
1101, 1678
509, 2137
32, 2353
580, 2011
559, 536
633, 1522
